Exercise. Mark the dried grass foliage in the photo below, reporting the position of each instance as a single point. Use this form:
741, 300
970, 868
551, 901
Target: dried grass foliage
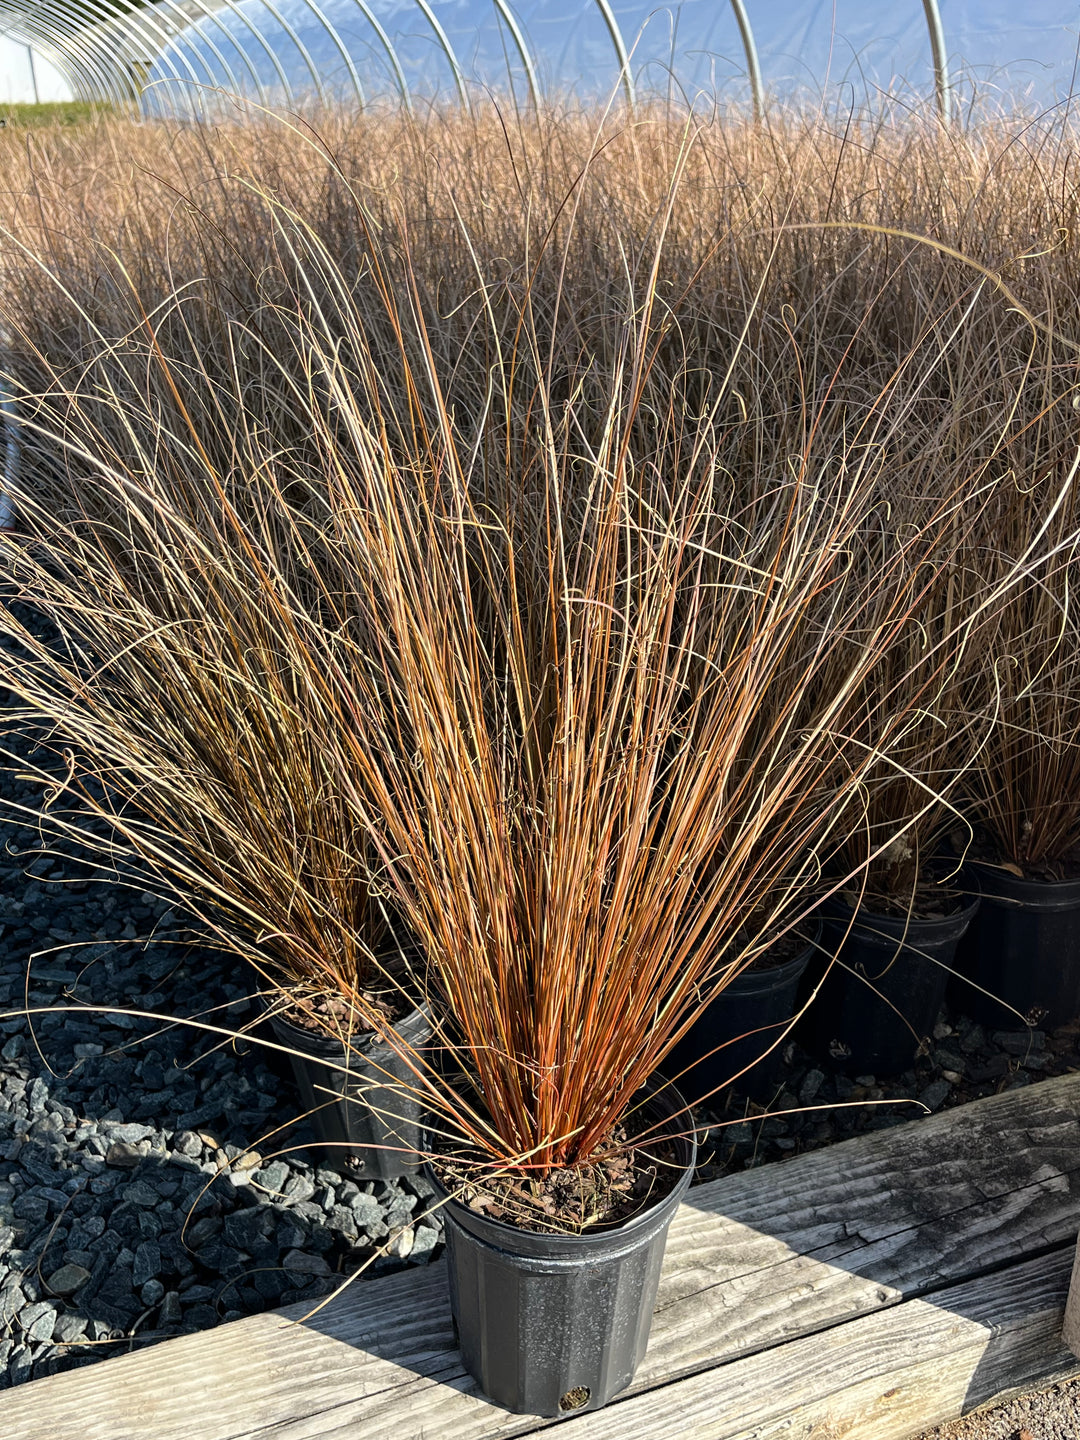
561, 540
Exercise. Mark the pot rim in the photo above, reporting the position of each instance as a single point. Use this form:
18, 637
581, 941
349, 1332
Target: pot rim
652, 1216
413, 1028
1061, 894
837, 909
755, 978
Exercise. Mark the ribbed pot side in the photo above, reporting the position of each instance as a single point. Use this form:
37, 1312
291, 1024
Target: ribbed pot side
749, 1014
358, 1110
875, 1007
1024, 948
554, 1325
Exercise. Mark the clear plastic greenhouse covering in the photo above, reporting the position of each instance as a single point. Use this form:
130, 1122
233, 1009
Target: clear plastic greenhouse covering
175, 54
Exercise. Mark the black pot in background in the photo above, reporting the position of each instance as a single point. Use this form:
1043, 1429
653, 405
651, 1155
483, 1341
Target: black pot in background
558, 1324
1023, 947
374, 1126
763, 1000
906, 960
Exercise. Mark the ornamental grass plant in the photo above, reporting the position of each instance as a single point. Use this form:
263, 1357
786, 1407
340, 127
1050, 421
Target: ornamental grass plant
985, 739
773, 228
501, 637
206, 753
1025, 783
534, 595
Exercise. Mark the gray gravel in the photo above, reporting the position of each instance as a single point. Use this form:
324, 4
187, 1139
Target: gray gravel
114, 1134
1051, 1414
964, 1063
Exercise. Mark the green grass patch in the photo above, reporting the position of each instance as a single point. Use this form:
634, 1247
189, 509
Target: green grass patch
63, 112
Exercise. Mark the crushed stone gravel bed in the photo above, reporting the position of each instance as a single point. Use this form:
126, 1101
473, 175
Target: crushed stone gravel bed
1050, 1414
964, 1063
117, 1134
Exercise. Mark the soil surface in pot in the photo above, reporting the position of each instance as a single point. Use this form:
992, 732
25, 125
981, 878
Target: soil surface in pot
780, 952
331, 1012
593, 1195
932, 900
984, 849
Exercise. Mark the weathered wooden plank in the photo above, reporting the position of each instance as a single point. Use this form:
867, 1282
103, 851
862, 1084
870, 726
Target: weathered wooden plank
881, 1377
1070, 1329
753, 1260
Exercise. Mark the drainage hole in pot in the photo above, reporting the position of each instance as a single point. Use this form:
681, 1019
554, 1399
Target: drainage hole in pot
576, 1398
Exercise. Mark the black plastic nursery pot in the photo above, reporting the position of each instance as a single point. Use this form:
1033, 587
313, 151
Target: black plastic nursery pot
361, 1116
755, 1006
1024, 948
883, 995
554, 1325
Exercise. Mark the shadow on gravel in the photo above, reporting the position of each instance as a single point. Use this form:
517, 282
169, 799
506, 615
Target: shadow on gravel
93, 1201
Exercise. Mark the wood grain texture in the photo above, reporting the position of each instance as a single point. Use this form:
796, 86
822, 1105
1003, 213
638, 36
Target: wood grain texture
755, 1263
881, 1377
1070, 1330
